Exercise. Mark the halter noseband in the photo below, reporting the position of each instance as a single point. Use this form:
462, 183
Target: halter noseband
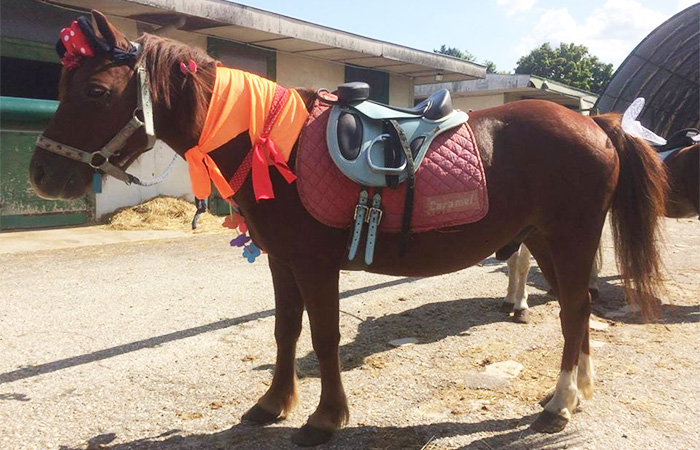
100, 159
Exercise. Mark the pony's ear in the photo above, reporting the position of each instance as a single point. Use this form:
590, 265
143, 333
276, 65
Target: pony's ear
111, 34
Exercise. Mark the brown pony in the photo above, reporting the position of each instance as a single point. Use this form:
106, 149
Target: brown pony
547, 168
683, 167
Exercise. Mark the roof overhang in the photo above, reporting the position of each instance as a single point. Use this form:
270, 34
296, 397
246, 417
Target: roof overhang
526, 86
256, 27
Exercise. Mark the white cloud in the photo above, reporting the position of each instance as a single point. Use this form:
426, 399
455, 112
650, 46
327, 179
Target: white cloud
610, 32
682, 4
512, 7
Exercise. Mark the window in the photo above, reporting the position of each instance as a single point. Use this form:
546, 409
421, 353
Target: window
29, 69
378, 81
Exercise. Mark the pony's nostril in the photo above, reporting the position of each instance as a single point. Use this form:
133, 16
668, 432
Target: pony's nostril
72, 182
39, 174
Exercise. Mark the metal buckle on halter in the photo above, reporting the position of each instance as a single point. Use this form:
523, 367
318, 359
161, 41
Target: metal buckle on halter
91, 160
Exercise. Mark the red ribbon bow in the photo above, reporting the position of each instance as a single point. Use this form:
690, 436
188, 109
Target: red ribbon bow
264, 154
76, 44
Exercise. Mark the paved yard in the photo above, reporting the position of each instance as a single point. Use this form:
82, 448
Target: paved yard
163, 344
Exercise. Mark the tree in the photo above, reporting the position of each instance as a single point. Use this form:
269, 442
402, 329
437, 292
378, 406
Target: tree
490, 66
570, 64
457, 53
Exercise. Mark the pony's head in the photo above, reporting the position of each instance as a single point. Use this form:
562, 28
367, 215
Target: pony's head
98, 96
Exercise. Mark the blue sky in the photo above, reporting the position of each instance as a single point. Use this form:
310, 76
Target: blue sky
498, 30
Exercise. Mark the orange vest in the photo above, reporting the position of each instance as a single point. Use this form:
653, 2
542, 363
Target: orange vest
242, 101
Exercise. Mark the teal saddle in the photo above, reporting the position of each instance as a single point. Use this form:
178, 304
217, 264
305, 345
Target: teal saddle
374, 144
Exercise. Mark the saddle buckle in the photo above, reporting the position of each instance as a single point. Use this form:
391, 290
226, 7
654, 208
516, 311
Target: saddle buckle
372, 212
361, 209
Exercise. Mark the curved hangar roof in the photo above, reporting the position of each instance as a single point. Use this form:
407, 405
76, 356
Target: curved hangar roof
665, 70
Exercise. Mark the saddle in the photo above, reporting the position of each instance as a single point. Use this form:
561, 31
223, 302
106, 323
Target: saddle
364, 163
681, 138
375, 144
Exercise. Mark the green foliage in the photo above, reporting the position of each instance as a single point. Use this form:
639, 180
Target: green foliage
457, 53
490, 66
570, 64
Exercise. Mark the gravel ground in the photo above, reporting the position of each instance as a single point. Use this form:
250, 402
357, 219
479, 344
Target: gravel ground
165, 344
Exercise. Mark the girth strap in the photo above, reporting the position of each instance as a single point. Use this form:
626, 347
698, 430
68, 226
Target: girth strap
392, 155
398, 135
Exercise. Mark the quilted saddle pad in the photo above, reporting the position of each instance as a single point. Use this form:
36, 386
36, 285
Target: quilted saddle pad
450, 184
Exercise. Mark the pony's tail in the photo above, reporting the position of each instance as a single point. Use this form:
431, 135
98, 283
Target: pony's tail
638, 204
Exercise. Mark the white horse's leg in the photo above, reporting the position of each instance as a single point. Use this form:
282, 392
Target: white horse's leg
595, 271
516, 297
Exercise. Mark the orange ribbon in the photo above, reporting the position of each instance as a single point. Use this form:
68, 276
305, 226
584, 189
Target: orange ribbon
202, 168
242, 101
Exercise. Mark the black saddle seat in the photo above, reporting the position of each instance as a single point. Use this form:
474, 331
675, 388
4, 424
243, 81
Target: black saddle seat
681, 138
435, 107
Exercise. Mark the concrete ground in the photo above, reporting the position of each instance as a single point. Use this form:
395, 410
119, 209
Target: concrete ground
61, 238
113, 340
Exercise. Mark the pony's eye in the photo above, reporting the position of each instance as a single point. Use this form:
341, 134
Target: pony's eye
97, 92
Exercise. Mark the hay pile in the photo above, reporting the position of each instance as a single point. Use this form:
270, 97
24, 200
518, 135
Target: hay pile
164, 213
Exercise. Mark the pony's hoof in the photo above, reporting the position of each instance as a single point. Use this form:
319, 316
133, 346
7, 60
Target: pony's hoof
521, 316
506, 307
549, 422
259, 416
308, 436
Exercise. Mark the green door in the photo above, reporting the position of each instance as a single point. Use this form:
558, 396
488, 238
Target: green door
21, 122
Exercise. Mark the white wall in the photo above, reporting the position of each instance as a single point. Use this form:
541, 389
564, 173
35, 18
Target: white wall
117, 194
298, 71
478, 102
400, 91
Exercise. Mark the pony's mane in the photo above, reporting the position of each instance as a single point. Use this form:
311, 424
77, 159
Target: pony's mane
171, 88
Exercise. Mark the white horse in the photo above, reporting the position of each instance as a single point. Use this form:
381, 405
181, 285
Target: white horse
518, 268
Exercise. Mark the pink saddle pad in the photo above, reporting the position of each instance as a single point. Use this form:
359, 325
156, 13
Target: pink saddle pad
450, 184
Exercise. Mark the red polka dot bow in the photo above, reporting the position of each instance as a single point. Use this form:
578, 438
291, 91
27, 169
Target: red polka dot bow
76, 44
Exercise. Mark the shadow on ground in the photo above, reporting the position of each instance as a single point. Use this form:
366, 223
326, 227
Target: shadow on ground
509, 434
428, 323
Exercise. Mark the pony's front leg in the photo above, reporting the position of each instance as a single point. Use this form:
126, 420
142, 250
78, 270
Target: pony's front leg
318, 282
281, 397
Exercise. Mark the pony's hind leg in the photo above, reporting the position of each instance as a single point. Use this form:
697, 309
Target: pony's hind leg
318, 282
281, 397
572, 266
516, 297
